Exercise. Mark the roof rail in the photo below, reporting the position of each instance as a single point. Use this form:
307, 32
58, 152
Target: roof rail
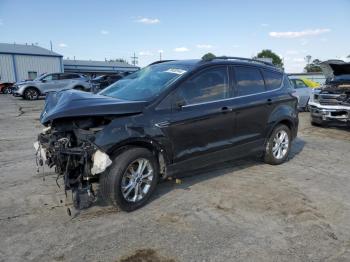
245, 59
160, 61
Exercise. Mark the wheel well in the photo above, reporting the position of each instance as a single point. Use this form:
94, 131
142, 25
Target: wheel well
33, 87
158, 153
288, 123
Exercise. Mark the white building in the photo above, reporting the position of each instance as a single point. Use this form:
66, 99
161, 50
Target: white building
21, 62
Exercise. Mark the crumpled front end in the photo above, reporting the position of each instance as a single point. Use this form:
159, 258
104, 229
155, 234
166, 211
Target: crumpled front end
331, 104
68, 146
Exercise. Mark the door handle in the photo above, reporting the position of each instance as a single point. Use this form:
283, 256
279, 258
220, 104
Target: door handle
269, 101
225, 109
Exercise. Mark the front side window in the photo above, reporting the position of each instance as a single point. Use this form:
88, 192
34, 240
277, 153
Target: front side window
273, 80
32, 75
248, 81
147, 83
50, 77
209, 85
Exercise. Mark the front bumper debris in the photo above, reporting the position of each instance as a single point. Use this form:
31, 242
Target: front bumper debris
329, 113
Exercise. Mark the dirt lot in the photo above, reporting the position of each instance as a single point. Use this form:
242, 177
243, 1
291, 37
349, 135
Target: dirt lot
237, 211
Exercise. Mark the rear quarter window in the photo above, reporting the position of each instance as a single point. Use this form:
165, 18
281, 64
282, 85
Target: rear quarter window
248, 81
273, 80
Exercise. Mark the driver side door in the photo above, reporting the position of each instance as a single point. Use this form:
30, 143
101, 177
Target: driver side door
202, 121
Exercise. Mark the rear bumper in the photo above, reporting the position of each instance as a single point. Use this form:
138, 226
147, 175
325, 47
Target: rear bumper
330, 114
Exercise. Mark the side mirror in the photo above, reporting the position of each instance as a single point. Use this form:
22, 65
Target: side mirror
43, 80
180, 103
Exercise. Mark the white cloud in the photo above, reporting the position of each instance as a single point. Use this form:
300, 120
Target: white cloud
145, 53
264, 25
299, 60
104, 32
62, 45
204, 46
148, 21
181, 49
296, 34
292, 52
160, 51
304, 42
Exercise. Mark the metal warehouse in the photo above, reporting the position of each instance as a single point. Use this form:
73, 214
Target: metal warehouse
21, 62
93, 68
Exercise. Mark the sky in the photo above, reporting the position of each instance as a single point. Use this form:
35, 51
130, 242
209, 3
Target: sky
180, 29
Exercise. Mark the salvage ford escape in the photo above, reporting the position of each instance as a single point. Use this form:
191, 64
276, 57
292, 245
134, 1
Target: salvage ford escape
165, 119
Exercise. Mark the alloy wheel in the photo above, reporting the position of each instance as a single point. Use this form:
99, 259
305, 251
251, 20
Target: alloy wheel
280, 144
137, 179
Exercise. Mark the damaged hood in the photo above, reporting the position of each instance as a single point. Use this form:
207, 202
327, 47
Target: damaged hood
73, 103
332, 68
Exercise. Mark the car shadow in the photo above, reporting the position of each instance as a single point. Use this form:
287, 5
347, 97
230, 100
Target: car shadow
192, 177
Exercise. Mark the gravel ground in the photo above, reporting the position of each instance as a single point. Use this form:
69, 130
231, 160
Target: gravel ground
237, 211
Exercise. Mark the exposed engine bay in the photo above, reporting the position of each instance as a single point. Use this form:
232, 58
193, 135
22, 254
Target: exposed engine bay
68, 146
332, 101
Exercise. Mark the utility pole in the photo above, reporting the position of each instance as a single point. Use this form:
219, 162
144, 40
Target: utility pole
51, 45
134, 61
160, 56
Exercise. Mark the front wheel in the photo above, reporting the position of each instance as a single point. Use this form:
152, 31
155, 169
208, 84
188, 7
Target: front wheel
278, 145
131, 180
31, 94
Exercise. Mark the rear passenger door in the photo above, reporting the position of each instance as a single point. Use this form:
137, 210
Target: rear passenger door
254, 103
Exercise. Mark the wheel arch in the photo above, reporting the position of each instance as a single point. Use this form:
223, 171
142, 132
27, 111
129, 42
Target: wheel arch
163, 159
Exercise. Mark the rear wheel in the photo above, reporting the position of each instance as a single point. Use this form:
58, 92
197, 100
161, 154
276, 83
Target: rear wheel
6, 90
31, 93
278, 145
131, 180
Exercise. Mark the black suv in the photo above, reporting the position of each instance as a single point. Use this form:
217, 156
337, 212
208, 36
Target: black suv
163, 120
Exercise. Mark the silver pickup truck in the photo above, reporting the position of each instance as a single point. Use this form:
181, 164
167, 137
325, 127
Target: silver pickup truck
32, 90
331, 103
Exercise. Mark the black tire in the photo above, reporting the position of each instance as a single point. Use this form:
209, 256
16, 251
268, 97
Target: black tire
269, 156
80, 88
6, 90
111, 179
31, 93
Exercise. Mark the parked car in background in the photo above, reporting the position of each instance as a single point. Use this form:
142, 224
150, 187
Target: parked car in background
163, 120
32, 90
331, 103
6, 88
302, 92
101, 82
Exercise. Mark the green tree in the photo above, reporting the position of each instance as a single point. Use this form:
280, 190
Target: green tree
313, 67
208, 56
266, 53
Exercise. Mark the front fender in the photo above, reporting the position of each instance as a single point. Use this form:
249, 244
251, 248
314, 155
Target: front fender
122, 132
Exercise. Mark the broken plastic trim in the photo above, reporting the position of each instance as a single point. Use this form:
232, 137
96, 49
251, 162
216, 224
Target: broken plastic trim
100, 162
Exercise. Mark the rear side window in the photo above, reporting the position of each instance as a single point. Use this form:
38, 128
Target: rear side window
209, 85
248, 81
273, 80
69, 76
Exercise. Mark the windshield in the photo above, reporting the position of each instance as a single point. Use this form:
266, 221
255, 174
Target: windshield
146, 84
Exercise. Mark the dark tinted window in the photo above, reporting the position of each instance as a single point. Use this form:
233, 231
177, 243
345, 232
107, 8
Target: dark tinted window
209, 85
273, 80
248, 81
69, 76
